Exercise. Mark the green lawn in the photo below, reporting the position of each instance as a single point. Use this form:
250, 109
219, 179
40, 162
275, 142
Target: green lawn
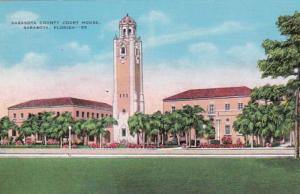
138, 176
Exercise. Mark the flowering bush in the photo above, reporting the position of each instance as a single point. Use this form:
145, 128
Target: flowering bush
152, 146
28, 141
19, 142
52, 142
74, 146
226, 139
112, 145
131, 145
5, 142
93, 145
206, 145
238, 141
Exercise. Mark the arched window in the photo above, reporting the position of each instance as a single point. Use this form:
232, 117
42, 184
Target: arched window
124, 32
129, 31
123, 50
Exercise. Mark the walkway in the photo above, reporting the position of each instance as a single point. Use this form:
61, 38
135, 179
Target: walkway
148, 153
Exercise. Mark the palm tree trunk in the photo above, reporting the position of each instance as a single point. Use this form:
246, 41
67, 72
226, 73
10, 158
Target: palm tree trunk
162, 138
178, 139
158, 139
272, 139
61, 142
144, 139
45, 139
292, 137
85, 142
252, 140
296, 122
138, 137
186, 138
100, 140
190, 137
195, 140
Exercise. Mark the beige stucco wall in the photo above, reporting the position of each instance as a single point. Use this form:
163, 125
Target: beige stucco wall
221, 115
93, 112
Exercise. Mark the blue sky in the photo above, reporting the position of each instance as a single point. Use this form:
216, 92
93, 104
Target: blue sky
212, 43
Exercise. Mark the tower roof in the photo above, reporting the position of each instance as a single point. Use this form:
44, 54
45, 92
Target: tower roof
127, 20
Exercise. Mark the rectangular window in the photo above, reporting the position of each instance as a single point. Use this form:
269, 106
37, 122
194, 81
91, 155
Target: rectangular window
240, 106
82, 114
14, 133
123, 132
227, 107
88, 115
22, 115
211, 109
15, 115
227, 130
102, 115
91, 138
97, 115
173, 108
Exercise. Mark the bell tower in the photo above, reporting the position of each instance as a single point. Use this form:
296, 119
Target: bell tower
128, 78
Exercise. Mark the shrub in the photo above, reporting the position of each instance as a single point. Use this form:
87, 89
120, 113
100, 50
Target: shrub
28, 141
206, 145
5, 142
227, 139
93, 145
275, 144
131, 145
19, 142
214, 141
52, 142
74, 146
151, 146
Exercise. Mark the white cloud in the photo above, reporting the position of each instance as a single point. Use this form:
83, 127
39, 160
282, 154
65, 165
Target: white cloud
203, 48
163, 80
75, 46
245, 54
33, 60
171, 38
22, 16
154, 16
19, 83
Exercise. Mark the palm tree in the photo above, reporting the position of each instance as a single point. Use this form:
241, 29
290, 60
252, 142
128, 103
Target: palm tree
98, 127
80, 129
46, 121
61, 125
157, 126
30, 126
106, 122
139, 123
249, 121
192, 117
176, 124
5, 125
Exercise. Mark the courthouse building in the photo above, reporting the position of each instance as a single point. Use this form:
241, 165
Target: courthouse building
221, 105
79, 108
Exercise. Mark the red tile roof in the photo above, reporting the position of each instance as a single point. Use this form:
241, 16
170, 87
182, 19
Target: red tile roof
65, 101
211, 93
